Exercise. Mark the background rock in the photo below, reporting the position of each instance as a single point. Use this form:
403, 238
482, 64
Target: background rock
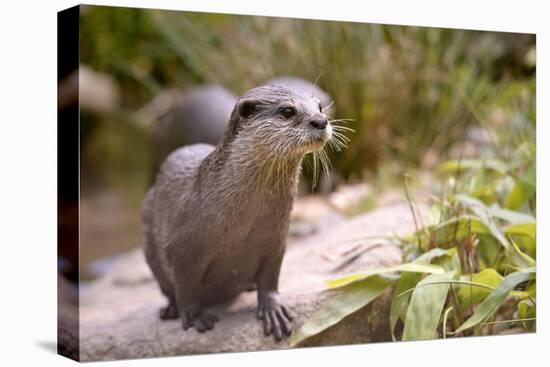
119, 312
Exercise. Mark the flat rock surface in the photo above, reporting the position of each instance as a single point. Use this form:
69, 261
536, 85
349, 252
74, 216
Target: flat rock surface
119, 312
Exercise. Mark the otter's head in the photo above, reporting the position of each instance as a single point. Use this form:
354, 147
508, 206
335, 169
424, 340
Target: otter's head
278, 120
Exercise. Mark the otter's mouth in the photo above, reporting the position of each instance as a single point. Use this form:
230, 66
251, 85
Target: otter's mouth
318, 138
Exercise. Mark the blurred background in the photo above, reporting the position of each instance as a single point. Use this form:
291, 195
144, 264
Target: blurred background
418, 97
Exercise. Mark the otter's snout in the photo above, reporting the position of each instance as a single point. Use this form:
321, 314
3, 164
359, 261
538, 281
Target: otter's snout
319, 123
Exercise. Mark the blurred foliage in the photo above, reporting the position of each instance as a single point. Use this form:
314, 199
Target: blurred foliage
411, 90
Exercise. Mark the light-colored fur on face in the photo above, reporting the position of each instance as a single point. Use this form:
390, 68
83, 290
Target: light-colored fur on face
261, 138
266, 126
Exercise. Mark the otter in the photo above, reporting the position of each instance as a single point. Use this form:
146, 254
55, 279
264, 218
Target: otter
216, 219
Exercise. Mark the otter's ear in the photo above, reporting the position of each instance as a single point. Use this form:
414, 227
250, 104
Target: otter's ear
247, 107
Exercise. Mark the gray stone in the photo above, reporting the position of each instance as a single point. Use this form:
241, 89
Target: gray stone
119, 312
198, 115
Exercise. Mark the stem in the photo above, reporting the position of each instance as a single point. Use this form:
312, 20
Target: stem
509, 321
409, 201
449, 309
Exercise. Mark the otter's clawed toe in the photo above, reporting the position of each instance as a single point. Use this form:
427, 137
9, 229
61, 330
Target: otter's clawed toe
202, 321
169, 312
276, 319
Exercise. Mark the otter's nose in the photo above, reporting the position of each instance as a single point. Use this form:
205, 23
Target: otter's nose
319, 123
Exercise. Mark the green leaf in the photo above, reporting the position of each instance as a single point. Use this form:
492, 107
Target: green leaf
521, 259
452, 166
463, 224
470, 295
482, 213
526, 310
415, 267
497, 297
347, 301
425, 307
529, 178
511, 216
516, 197
399, 304
449, 263
436, 252
525, 229
407, 281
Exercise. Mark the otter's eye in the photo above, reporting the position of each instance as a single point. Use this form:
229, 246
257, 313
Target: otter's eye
320, 108
288, 112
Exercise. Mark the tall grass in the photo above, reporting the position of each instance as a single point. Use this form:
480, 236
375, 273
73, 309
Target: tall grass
408, 89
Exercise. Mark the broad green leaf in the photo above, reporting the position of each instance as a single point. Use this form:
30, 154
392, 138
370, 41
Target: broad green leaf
449, 263
415, 267
462, 225
527, 244
482, 213
428, 256
519, 258
511, 216
527, 310
425, 307
529, 178
516, 197
399, 304
481, 187
407, 281
497, 297
489, 252
346, 301
525, 229
470, 295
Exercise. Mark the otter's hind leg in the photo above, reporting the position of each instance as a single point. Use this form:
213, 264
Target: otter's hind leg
170, 311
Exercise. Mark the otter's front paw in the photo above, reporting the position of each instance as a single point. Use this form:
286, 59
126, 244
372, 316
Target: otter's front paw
169, 312
199, 319
276, 318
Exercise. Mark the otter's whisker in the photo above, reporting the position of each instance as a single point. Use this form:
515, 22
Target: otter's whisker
338, 141
326, 163
340, 136
315, 169
327, 106
342, 128
340, 120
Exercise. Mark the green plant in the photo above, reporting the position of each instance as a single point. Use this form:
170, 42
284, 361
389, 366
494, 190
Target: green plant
472, 269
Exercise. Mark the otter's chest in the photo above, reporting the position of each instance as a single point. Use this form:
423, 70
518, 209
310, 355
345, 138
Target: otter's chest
240, 253
238, 259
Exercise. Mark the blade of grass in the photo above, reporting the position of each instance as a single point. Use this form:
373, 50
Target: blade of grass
497, 297
414, 267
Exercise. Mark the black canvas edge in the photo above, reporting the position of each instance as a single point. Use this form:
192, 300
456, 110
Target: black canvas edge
68, 190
